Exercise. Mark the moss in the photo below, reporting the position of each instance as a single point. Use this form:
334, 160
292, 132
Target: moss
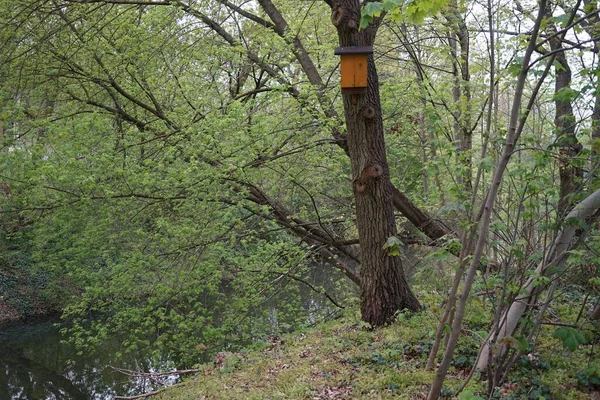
343, 360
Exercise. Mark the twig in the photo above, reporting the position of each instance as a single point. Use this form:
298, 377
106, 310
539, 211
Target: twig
558, 324
155, 374
139, 396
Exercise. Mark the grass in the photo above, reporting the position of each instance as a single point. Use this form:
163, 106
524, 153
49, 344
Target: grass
342, 359
338, 359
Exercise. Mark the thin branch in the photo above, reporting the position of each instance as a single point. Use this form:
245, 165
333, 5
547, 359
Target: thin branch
140, 396
131, 2
129, 372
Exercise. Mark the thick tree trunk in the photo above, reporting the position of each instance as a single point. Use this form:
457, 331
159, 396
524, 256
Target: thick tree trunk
421, 219
384, 289
593, 29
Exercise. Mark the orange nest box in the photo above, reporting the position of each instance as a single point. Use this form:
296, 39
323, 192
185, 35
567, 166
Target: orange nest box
353, 68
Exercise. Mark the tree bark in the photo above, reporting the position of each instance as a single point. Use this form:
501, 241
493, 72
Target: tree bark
564, 120
431, 227
384, 289
461, 92
592, 27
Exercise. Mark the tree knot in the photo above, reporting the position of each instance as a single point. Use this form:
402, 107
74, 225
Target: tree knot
368, 174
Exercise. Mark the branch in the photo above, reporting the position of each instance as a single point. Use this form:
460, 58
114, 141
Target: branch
422, 220
324, 293
140, 396
132, 2
129, 372
247, 14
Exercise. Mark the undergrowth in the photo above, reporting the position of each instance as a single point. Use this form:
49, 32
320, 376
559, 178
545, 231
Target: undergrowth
344, 359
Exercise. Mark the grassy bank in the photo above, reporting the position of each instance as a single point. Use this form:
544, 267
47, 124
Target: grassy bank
343, 359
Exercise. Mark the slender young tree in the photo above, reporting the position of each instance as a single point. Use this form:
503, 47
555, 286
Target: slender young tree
571, 174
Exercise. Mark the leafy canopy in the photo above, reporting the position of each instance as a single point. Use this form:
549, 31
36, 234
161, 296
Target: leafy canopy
412, 11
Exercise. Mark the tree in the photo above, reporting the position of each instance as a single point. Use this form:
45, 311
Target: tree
184, 162
157, 119
570, 148
384, 289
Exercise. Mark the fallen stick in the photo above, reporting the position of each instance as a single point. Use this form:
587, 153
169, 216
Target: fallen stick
140, 396
129, 372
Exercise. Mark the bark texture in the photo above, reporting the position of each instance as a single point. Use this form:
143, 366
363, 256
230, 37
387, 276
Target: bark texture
564, 121
458, 38
592, 27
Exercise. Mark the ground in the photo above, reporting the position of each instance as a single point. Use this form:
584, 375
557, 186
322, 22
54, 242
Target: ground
343, 359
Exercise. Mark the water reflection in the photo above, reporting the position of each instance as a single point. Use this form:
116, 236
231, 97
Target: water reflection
34, 365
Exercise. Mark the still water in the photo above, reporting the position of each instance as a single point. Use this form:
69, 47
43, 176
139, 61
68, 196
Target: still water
35, 365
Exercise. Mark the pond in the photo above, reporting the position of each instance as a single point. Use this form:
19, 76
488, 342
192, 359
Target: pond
35, 365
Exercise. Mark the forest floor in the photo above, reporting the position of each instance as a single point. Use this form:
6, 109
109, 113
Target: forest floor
342, 359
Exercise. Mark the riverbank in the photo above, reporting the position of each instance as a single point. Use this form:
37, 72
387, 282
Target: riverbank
25, 296
343, 360
10, 315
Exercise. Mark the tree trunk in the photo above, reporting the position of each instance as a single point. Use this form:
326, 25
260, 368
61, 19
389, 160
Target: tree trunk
516, 122
384, 289
564, 121
593, 29
461, 92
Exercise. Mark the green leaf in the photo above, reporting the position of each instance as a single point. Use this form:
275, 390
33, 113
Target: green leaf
414, 11
561, 19
594, 281
469, 395
373, 9
522, 344
571, 338
514, 68
566, 94
393, 245
365, 20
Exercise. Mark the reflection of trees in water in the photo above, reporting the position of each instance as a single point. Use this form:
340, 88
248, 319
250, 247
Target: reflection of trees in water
26, 379
34, 365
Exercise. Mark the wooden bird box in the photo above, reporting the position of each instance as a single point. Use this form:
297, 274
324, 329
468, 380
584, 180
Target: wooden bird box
353, 68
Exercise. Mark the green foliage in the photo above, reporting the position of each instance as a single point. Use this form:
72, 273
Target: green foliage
469, 395
141, 227
386, 362
570, 337
535, 391
589, 377
413, 11
138, 145
393, 246
566, 95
